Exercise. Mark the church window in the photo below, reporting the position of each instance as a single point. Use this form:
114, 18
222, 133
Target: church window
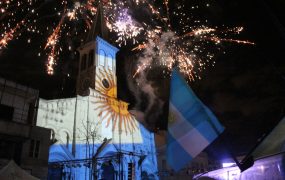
91, 58
83, 62
110, 61
102, 57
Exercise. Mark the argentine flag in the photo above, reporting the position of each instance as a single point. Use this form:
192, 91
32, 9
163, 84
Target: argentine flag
191, 125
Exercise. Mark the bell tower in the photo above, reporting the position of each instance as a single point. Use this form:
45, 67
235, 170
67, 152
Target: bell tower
97, 65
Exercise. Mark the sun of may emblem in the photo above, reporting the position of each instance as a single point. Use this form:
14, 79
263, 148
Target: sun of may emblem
112, 110
109, 108
171, 117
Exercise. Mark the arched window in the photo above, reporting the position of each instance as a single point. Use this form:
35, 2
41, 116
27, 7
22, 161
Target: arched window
101, 57
110, 61
91, 58
83, 62
64, 138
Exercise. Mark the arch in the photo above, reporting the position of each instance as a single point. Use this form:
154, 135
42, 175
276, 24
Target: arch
65, 138
109, 150
101, 58
53, 130
108, 171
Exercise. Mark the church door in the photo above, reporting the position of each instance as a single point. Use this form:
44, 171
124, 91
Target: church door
108, 171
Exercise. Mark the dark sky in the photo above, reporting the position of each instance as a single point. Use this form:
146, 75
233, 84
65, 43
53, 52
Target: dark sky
245, 89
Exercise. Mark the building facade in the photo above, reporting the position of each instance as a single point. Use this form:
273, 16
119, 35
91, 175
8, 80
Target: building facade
94, 134
20, 139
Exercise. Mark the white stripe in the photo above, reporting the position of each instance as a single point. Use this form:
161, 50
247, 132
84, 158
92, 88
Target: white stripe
185, 134
180, 126
193, 142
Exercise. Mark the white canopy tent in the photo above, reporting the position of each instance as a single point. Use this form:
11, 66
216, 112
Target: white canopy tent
13, 172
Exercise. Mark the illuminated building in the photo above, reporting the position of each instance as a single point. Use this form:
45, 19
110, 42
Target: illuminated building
94, 134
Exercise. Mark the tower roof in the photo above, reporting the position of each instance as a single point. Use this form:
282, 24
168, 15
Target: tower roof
98, 27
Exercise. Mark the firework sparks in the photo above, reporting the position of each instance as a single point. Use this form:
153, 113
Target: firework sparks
219, 40
8, 36
186, 52
125, 27
51, 61
51, 44
159, 43
200, 31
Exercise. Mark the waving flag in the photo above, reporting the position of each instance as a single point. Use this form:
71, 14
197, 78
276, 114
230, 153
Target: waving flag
191, 125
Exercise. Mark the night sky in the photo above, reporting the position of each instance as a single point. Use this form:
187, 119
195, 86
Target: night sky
245, 88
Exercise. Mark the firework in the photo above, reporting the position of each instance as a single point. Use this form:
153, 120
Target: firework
125, 27
8, 36
187, 51
157, 42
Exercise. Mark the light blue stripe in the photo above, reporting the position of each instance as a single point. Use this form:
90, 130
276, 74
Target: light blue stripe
214, 120
207, 131
186, 102
194, 113
177, 157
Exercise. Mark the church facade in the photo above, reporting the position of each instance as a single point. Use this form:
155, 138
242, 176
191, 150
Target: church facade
94, 136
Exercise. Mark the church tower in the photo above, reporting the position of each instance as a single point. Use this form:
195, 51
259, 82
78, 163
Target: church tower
97, 65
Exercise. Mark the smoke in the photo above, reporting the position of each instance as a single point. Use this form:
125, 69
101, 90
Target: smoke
149, 106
